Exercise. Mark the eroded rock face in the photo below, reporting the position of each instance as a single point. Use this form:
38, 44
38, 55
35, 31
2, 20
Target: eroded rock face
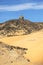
11, 55
19, 27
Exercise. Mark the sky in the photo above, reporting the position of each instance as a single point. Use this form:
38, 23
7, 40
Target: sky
30, 9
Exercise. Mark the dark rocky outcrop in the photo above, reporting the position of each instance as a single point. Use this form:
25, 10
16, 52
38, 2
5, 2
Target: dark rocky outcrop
19, 27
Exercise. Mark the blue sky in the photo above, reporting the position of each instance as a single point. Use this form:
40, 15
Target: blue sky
30, 9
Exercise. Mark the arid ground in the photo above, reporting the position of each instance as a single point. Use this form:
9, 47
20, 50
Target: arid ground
33, 42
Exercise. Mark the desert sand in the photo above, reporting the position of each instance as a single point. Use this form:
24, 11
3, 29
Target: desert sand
33, 42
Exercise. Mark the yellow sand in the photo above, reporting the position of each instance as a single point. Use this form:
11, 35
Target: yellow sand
34, 43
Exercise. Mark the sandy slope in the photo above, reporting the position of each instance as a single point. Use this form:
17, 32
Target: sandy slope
34, 43
11, 55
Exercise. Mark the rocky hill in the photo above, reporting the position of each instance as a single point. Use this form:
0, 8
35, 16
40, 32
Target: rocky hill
19, 27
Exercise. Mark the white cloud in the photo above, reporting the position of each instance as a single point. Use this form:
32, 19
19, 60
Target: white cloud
21, 7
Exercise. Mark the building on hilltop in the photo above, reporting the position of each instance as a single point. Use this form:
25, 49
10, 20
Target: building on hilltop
21, 18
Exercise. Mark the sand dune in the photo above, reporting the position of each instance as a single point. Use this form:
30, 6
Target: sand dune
34, 43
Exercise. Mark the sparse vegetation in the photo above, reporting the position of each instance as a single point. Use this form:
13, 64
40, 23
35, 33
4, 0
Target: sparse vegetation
11, 54
11, 27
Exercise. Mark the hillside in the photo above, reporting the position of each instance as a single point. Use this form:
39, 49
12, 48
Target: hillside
21, 42
19, 27
13, 55
33, 43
